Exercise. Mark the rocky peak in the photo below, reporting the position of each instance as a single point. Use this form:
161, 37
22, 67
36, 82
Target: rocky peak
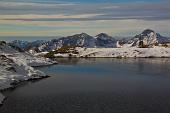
102, 35
82, 35
2, 43
147, 32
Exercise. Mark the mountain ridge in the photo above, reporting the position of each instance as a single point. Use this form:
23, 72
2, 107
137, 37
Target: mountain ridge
148, 37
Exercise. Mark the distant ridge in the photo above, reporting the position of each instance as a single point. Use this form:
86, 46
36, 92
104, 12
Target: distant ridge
148, 38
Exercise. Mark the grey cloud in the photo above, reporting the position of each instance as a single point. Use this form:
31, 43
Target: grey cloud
149, 11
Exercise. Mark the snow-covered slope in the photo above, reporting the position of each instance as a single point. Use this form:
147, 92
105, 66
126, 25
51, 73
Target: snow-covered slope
156, 51
124, 52
16, 66
24, 57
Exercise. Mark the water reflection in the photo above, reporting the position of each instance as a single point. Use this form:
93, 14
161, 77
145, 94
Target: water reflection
140, 65
69, 61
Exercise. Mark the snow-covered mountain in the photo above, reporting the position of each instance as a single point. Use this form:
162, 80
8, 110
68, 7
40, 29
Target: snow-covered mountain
148, 38
81, 40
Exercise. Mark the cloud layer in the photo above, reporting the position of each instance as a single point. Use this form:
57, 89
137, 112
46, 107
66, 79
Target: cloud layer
57, 17
101, 11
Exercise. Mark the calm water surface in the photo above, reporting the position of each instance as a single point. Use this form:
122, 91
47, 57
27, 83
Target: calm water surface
96, 86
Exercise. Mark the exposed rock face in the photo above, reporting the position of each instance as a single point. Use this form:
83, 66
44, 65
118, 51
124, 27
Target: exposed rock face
105, 41
82, 39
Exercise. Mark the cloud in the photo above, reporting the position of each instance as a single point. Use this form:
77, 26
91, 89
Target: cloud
67, 18
104, 11
34, 16
129, 27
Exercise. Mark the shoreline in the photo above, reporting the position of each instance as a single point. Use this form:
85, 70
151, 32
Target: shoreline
118, 57
15, 85
129, 52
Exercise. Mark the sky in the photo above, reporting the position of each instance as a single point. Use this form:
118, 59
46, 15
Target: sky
67, 17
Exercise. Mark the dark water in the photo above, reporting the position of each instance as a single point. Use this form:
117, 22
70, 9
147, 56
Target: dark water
96, 86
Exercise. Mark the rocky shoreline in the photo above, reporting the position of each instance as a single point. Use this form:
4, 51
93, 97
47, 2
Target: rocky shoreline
17, 67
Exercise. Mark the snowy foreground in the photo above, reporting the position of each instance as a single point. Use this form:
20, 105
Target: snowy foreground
125, 52
120, 52
16, 67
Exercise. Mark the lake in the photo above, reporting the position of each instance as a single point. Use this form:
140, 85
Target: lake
96, 85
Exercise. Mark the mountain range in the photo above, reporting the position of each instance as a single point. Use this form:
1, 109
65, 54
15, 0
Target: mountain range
148, 38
